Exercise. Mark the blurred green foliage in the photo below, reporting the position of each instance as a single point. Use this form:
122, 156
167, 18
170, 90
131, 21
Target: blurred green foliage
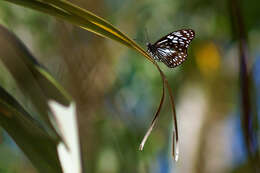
117, 90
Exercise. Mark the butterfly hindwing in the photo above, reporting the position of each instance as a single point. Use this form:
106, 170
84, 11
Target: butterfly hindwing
171, 57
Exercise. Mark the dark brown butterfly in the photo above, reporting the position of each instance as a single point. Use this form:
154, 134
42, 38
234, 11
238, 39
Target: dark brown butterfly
172, 48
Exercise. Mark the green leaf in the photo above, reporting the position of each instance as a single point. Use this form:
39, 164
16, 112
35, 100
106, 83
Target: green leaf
33, 79
28, 134
82, 18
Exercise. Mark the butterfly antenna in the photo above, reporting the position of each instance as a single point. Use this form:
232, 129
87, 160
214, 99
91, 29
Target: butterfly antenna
146, 36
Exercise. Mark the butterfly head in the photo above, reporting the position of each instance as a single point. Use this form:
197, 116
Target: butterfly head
149, 45
150, 48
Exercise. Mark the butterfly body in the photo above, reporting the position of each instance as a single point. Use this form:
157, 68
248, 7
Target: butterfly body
172, 48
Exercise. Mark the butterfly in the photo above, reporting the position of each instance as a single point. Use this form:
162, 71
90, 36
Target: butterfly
172, 48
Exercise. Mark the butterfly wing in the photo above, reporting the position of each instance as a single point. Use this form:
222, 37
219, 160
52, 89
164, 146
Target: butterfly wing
172, 48
172, 58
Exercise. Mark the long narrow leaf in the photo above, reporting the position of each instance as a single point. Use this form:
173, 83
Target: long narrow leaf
156, 116
81, 18
175, 143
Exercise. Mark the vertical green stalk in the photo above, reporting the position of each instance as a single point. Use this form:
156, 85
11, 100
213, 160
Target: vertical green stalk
247, 115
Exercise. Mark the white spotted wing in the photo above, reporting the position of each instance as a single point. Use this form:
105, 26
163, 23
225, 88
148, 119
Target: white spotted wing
172, 48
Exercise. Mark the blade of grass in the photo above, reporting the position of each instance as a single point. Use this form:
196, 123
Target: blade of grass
155, 118
96, 20
91, 17
65, 15
175, 143
82, 18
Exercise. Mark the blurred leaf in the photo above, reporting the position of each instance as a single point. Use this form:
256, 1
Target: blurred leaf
33, 80
28, 134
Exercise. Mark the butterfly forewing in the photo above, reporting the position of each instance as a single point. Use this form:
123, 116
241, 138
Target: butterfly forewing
172, 48
182, 37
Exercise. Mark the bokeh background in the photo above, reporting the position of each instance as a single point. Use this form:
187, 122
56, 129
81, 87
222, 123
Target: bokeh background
117, 90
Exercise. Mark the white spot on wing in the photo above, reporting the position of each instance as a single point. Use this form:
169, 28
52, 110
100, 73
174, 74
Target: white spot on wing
178, 34
166, 52
170, 36
162, 41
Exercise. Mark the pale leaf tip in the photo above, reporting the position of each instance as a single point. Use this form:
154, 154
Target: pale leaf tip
176, 155
141, 146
